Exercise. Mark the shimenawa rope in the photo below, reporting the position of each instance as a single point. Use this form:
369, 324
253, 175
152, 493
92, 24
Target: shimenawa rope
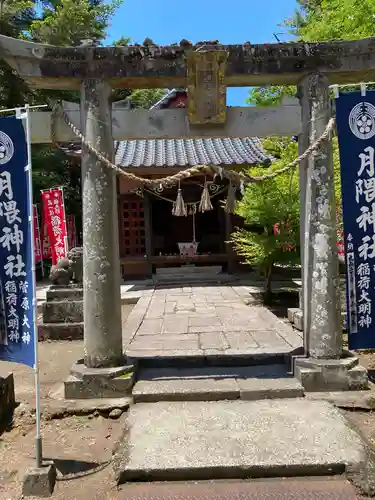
231, 175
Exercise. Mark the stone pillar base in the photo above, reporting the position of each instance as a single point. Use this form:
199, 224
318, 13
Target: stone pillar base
87, 383
40, 482
7, 396
62, 313
345, 374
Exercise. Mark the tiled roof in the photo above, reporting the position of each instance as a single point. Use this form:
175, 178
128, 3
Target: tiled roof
189, 152
185, 152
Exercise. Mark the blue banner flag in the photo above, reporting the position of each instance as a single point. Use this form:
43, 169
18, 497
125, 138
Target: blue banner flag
16, 279
356, 133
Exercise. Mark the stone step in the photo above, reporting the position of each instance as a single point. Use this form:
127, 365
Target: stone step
206, 270
193, 440
216, 383
61, 293
64, 311
196, 280
199, 359
61, 331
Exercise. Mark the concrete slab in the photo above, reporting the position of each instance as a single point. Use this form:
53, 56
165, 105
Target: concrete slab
235, 439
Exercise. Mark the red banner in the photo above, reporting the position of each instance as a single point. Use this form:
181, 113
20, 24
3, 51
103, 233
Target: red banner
37, 243
340, 244
72, 234
46, 245
55, 223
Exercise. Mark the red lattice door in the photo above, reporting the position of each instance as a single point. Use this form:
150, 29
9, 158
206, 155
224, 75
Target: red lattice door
133, 228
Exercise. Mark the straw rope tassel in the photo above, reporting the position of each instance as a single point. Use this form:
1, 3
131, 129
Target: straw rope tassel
230, 204
179, 208
205, 204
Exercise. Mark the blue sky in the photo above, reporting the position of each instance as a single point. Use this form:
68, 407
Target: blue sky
230, 21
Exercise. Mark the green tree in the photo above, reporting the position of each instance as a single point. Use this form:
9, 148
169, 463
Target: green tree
64, 23
315, 20
16, 17
327, 20
269, 96
69, 22
145, 98
266, 204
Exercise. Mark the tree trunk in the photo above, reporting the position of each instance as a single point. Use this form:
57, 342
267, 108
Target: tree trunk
268, 285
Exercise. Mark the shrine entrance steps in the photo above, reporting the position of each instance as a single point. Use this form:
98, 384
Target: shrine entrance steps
202, 342
205, 325
214, 396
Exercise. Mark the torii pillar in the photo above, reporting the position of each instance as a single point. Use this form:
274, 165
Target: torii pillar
100, 374
325, 366
101, 276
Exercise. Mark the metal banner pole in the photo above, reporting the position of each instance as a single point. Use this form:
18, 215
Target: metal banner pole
38, 442
40, 240
66, 226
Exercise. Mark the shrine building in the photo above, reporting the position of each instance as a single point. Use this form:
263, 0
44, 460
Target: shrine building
154, 233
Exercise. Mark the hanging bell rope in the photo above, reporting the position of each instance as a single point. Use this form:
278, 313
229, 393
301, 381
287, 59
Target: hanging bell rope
192, 209
205, 204
179, 208
231, 202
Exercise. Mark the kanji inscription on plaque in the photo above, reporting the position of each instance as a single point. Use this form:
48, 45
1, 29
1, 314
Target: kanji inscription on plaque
206, 89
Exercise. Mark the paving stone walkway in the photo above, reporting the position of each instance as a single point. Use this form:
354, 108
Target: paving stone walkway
204, 320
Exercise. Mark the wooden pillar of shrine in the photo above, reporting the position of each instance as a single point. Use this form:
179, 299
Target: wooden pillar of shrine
148, 231
228, 245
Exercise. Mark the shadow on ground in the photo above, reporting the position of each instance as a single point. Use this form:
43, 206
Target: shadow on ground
70, 469
281, 301
7, 422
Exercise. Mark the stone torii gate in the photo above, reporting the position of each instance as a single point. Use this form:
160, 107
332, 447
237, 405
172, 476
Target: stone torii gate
95, 71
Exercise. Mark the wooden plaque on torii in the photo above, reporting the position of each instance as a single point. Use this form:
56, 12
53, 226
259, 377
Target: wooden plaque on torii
206, 88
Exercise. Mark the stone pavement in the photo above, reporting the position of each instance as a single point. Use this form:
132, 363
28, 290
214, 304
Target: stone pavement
236, 439
296, 489
204, 321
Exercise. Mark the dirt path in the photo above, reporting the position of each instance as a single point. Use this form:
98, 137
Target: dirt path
81, 448
78, 444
